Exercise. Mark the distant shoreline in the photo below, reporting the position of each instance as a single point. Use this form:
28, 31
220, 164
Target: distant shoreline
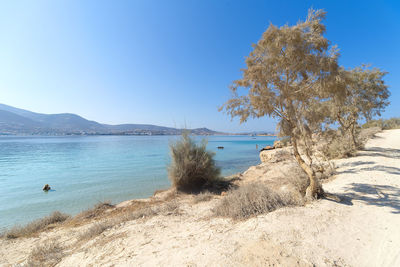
62, 135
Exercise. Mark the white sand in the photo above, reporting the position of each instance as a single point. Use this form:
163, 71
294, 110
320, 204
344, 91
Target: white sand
362, 230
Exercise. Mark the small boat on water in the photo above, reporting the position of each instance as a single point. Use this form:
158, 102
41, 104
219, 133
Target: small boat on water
220, 147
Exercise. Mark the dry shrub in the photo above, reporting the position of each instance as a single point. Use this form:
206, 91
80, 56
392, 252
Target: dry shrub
96, 211
47, 254
366, 134
339, 146
144, 212
300, 182
36, 225
192, 167
324, 169
204, 196
253, 199
168, 208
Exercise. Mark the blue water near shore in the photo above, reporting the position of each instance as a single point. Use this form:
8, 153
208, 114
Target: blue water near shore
84, 170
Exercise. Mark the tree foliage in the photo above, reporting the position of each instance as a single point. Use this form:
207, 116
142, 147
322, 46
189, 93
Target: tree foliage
366, 97
392, 123
290, 73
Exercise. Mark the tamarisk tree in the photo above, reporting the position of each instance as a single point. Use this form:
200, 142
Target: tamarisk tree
366, 97
291, 71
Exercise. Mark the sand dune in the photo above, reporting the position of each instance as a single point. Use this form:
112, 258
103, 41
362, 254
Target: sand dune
360, 230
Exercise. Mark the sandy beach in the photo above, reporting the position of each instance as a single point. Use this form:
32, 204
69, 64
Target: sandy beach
362, 229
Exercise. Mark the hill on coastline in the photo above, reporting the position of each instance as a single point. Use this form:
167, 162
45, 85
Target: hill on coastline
15, 121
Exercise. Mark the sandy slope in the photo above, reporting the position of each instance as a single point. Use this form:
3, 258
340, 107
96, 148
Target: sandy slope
361, 230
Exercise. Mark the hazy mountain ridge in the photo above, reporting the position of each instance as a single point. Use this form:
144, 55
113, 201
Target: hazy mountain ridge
15, 121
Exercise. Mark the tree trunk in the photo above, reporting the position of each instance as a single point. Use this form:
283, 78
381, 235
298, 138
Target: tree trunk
314, 190
353, 135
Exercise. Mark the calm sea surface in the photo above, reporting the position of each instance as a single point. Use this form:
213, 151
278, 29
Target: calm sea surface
83, 171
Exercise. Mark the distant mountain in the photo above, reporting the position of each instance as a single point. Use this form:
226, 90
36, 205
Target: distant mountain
15, 121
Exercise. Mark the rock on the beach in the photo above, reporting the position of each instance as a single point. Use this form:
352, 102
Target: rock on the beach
276, 155
267, 148
278, 144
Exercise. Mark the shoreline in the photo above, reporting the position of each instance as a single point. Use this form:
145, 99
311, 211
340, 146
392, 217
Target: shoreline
327, 232
117, 171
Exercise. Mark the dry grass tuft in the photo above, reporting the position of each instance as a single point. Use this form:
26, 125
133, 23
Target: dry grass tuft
148, 210
36, 226
103, 216
48, 254
134, 212
169, 208
202, 197
96, 211
253, 199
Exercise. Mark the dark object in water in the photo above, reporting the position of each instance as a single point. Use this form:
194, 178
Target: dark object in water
220, 147
46, 187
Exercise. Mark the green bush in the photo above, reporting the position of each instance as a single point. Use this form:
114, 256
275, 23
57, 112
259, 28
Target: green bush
192, 167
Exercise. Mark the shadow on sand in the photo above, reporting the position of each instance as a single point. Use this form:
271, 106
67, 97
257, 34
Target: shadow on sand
381, 168
376, 195
381, 152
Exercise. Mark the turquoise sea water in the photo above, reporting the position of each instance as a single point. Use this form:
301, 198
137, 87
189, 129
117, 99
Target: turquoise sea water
83, 171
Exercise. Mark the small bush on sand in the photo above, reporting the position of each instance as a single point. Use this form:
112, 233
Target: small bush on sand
37, 225
253, 199
193, 167
47, 254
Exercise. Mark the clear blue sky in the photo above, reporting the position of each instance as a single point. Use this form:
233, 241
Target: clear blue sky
167, 62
